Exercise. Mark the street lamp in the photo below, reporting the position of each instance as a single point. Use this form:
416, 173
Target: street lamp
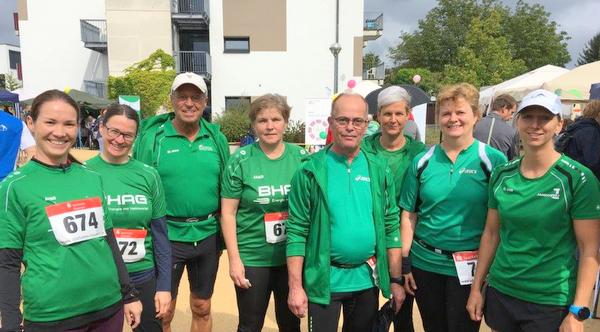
335, 49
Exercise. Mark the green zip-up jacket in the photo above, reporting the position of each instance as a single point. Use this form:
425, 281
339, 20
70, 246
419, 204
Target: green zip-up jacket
309, 230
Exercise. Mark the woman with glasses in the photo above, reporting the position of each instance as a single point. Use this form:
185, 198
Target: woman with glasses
399, 150
136, 205
254, 209
444, 205
542, 207
54, 221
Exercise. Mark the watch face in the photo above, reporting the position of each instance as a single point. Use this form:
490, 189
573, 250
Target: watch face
583, 314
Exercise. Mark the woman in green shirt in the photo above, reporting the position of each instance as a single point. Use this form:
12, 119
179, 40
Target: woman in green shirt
136, 206
254, 208
542, 207
444, 204
54, 221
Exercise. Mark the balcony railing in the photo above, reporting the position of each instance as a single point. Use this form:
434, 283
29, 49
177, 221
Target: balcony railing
373, 21
93, 34
375, 73
192, 7
95, 88
193, 61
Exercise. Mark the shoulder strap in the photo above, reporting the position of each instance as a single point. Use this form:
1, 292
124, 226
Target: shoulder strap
489, 139
486, 164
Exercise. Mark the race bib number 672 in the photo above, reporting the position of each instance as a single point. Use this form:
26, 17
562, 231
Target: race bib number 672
77, 220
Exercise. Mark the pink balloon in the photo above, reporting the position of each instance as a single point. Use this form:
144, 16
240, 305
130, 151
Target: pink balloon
351, 84
417, 78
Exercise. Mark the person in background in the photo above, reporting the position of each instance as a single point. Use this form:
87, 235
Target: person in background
399, 150
495, 130
542, 207
14, 138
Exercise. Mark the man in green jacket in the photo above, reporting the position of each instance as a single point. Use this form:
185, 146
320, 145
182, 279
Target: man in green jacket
343, 232
189, 154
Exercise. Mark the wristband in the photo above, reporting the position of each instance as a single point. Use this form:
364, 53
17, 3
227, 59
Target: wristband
406, 265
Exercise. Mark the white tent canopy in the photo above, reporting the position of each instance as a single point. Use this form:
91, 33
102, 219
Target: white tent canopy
519, 86
574, 86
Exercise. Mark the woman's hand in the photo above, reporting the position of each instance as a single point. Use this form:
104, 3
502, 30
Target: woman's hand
162, 301
571, 324
133, 313
475, 305
410, 286
237, 273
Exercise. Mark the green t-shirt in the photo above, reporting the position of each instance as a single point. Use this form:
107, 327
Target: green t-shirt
60, 281
535, 260
451, 202
134, 196
190, 174
399, 160
351, 220
262, 186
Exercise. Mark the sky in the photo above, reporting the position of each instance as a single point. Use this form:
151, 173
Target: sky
578, 18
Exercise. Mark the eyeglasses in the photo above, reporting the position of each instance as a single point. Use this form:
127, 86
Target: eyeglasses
344, 121
114, 133
195, 98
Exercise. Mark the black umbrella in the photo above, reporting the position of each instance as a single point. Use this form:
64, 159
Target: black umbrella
417, 96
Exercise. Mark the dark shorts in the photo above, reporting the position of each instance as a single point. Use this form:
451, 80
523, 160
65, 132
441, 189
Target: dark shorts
504, 313
202, 262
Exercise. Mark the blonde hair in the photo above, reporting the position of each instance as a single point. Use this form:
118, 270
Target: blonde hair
455, 91
267, 101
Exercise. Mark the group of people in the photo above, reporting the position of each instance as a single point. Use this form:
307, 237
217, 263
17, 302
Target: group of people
455, 227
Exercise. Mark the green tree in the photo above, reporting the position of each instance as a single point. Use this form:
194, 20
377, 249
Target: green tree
10, 82
234, 122
430, 82
531, 36
485, 59
371, 60
591, 52
534, 38
150, 79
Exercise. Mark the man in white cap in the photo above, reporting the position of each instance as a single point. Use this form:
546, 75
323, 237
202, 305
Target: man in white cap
189, 154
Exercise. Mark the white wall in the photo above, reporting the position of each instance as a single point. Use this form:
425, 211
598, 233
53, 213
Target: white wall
52, 52
304, 71
5, 60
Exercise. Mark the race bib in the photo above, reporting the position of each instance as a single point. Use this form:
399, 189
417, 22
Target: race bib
372, 262
77, 221
131, 243
275, 226
466, 264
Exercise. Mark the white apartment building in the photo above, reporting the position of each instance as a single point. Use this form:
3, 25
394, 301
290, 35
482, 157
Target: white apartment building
10, 54
244, 48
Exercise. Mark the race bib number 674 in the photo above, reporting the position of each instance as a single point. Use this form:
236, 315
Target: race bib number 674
77, 220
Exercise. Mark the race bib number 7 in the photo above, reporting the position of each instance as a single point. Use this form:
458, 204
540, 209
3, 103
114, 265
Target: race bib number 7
466, 264
275, 226
77, 221
131, 243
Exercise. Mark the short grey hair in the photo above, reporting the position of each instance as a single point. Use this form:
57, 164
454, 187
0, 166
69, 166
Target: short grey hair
392, 94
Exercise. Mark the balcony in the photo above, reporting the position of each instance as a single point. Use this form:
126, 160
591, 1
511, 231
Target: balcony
190, 14
193, 61
372, 26
93, 35
374, 74
95, 88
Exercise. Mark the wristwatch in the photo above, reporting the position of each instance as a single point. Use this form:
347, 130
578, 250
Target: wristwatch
399, 281
581, 313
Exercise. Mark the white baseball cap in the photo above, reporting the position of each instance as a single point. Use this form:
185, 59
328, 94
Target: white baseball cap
189, 78
542, 98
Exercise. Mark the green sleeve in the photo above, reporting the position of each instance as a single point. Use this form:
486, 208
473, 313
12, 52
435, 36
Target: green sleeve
492, 202
408, 197
232, 182
586, 197
298, 222
141, 150
159, 208
108, 225
12, 220
392, 213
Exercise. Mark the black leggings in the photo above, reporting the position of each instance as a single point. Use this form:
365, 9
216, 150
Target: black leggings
359, 307
403, 320
149, 322
253, 302
442, 302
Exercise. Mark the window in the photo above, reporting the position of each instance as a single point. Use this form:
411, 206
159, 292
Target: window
233, 102
237, 45
14, 58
